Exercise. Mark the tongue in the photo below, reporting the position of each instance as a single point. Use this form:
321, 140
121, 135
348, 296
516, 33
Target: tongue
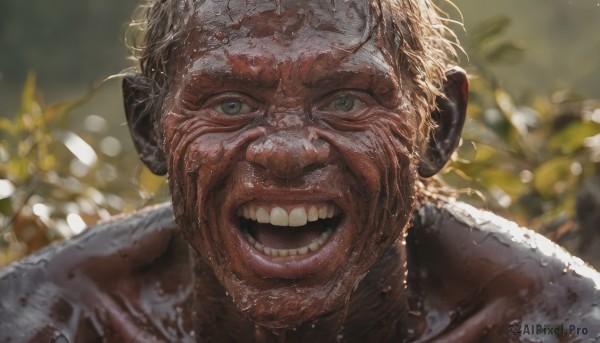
283, 237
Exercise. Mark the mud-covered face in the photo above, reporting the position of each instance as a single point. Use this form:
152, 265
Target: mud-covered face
290, 152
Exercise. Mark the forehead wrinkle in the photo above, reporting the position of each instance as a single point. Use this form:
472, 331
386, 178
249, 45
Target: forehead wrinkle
259, 18
220, 67
326, 70
250, 59
366, 68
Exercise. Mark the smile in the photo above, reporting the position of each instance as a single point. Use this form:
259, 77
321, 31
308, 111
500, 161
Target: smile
288, 230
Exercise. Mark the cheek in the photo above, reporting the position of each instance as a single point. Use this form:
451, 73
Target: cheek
397, 164
189, 157
397, 155
191, 153
201, 158
381, 155
379, 150
200, 152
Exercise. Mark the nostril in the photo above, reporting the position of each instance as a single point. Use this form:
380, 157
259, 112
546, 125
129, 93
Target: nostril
287, 156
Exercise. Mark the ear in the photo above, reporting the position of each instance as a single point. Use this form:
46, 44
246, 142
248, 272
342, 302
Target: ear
449, 119
143, 122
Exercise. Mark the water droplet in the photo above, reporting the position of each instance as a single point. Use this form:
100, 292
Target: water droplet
59, 339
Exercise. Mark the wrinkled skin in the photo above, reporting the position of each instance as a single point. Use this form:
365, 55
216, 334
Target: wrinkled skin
288, 148
319, 115
470, 275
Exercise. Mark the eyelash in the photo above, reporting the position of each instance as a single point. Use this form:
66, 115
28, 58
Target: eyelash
217, 103
358, 101
249, 105
243, 107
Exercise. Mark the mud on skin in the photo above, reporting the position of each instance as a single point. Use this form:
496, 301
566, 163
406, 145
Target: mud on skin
284, 120
296, 136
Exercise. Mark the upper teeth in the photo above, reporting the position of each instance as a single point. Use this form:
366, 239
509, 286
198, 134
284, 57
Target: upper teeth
297, 216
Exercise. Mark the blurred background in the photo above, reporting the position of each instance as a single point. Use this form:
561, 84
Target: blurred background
530, 151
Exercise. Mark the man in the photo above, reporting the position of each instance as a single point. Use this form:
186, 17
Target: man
297, 137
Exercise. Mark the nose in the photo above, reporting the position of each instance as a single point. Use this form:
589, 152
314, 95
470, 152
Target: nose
287, 155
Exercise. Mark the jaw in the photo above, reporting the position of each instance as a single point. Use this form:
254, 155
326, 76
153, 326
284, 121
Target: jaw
281, 270
290, 292
291, 270
312, 266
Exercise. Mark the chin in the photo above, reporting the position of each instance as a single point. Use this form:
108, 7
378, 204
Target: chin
291, 259
287, 256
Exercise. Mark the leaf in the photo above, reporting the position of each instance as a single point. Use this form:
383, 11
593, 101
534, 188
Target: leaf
573, 136
504, 101
467, 151
28, 100
47, 163
149, 182
504, 53
7, 125
489, 30
507, 181
59, 110
552, 176
485, 154
17, 168
5, 206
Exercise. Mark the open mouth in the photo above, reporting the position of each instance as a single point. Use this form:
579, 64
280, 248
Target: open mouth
288, 230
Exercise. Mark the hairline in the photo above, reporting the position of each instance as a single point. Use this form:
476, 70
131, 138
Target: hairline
395, 22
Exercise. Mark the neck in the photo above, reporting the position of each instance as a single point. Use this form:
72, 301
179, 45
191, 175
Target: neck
378, 308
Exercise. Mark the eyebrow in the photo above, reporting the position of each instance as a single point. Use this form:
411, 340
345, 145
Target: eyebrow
368, 79
372, 75
212, 72
214, 79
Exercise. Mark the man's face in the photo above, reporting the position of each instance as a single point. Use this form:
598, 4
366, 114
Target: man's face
290, 152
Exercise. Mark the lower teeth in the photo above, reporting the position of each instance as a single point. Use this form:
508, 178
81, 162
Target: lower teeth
312, 246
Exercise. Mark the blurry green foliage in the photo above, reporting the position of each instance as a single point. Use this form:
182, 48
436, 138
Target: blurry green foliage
488, 43
524, 160
53, 181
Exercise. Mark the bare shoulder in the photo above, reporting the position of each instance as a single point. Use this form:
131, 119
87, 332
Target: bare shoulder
486, 269
67, 287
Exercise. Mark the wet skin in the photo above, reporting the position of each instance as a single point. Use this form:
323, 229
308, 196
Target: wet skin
135, 279
294, 108
288, 146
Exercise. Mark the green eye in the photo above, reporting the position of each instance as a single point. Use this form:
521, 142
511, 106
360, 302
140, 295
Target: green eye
233, 107
344, 103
